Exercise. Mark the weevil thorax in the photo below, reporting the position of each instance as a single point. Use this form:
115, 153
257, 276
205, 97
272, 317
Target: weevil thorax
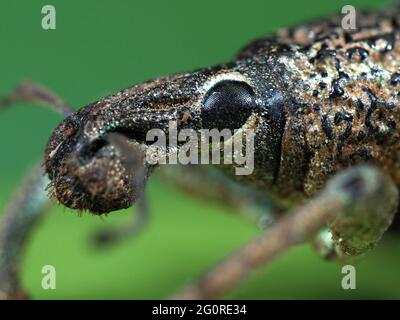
89, 173
342, 98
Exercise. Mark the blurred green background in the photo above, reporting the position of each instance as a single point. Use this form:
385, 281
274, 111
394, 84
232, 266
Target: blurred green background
101, 47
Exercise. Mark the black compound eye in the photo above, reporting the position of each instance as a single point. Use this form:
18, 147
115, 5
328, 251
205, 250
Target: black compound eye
228, 104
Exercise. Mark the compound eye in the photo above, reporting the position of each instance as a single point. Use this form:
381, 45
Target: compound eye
228, 104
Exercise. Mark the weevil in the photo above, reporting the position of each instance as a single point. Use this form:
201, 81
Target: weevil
319, 98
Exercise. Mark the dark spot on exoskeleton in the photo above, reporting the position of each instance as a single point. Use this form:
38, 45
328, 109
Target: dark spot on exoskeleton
337, 90
337, 64
371, 43
392, 124
346, 133
371, 108
317, 107
375, 101
361, 153
322, 54
360, 135
342, 115
179, 114
338, 118
322, 85
363, 75
324, 74
365, 154
312, 75
375, 72
388, 37
343, 75
371, 97
395, 78
360, 104
379, 114
315, 93
387, 105
361, 52
346, 117
326, 126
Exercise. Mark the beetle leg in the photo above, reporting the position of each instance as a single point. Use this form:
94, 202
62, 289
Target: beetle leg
20, 216
203, 182
135, 160
211, 185
113, 235
358, 205
29, 202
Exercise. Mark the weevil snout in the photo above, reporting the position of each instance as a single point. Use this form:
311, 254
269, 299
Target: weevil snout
101, 176
89, 172
92, 156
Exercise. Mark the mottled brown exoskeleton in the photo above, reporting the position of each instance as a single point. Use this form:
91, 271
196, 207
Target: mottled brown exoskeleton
319, 98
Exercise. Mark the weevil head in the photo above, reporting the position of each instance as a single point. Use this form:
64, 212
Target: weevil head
89, 172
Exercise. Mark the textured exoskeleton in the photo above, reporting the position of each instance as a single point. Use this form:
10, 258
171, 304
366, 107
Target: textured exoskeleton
319, 99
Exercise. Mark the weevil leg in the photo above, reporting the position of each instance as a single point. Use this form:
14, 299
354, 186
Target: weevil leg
20, 216
135, 162
114, 235
358, 205
29, 202
359, 228
210, 185
205, 183
31, 92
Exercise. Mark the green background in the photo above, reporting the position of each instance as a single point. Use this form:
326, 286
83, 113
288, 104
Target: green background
100, 47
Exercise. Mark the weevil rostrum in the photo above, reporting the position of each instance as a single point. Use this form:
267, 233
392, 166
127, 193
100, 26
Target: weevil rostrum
319, 98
